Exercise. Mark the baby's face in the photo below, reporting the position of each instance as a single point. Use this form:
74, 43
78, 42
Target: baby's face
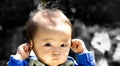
52, 46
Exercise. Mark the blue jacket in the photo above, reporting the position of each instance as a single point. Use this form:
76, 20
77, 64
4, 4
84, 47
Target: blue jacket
84, 59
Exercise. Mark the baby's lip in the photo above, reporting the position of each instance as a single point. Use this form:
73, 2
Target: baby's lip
56, 58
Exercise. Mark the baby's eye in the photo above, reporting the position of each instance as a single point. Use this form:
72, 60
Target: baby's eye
48, 45
63, 45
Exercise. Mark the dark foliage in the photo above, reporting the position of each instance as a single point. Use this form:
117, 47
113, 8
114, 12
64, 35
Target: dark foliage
102, 12
14, 13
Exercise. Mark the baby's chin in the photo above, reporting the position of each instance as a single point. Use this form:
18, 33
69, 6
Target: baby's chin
54, 62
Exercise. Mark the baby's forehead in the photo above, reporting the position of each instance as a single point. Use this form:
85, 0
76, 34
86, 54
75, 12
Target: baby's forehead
52, 17
51, 20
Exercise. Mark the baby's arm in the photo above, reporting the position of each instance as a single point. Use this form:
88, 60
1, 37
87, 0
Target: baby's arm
84, 57
21, 56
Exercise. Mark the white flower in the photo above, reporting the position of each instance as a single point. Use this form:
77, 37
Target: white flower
101, 41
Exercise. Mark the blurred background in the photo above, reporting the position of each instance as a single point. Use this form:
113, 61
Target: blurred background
96, 22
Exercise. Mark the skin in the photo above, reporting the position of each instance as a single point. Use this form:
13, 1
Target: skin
51, 44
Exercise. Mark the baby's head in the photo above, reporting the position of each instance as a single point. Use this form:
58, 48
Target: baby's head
49, 34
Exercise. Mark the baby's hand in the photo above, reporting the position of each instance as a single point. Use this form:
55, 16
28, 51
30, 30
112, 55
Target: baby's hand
78, 46
23, 52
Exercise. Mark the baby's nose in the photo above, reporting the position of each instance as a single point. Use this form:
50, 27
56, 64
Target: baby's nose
56, 51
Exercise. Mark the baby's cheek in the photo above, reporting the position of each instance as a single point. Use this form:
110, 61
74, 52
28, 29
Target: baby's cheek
66, 51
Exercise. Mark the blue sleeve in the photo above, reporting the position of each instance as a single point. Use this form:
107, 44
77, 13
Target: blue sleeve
86, 59
16, 62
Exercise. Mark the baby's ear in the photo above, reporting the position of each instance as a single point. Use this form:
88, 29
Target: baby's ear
31, 44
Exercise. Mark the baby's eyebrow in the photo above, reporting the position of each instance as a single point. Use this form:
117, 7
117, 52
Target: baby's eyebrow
64, 40
44, 39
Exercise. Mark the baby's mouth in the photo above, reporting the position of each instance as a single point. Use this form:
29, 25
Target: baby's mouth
56, 58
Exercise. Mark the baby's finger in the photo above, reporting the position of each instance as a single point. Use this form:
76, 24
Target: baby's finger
26, 47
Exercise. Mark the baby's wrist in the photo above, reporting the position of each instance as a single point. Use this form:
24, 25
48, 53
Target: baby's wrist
84, 51
19, 57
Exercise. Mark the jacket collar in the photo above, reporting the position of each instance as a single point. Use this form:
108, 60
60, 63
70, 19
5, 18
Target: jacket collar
34, 62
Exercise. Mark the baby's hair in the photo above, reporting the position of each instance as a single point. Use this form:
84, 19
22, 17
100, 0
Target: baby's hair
49, 14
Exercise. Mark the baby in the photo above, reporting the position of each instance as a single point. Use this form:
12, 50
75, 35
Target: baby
50, 37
